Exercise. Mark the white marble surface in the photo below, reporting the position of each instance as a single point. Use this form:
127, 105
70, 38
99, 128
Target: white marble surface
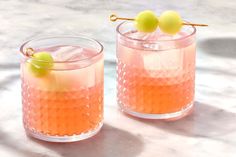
209, 131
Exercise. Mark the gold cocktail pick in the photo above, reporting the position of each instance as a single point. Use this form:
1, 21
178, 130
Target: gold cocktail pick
114, 17
29, 52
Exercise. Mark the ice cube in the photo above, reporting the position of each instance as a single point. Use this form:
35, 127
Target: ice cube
68, 53
152, 61
163, 60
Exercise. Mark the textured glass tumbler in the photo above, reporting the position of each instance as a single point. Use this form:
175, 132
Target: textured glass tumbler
155, 72
63, 103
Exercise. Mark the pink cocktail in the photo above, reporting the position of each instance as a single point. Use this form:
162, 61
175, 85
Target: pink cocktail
155, 72
66, 104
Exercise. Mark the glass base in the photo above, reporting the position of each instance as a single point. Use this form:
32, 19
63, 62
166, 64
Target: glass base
72, 138
167, 116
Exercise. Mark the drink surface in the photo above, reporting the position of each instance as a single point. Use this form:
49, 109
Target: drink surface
67, 101
153, 78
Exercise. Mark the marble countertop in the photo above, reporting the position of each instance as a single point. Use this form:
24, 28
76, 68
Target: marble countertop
209, 131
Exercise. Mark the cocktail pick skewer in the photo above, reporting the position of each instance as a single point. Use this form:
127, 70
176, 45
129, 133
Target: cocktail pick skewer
29, 51
195, 24
114, 17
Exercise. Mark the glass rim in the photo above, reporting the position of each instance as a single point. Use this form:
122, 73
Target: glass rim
100, 51
154, 41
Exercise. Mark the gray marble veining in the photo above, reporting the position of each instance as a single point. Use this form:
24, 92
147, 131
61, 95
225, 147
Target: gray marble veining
209, 131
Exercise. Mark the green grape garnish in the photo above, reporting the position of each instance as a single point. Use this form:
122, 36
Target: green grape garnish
146, 21
170, 22
40, 64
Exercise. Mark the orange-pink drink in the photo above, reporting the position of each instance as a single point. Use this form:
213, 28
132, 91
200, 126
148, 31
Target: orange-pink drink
155, 72
66, 104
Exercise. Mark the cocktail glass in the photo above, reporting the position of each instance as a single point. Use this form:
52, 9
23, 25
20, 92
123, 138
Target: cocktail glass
155, 72
66, 103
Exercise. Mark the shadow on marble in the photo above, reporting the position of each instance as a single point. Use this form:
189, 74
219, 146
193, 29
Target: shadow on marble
222, 47
11, 144
9, 66
8, 80
108, 142
215, 71
205, 121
